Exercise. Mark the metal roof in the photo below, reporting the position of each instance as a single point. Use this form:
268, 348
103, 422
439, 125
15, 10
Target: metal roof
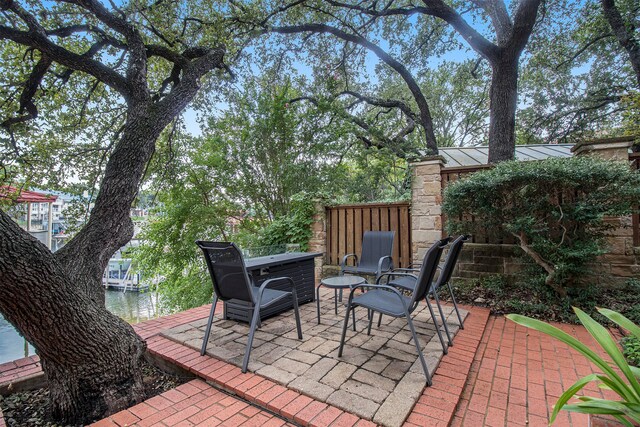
25, 196
476, 156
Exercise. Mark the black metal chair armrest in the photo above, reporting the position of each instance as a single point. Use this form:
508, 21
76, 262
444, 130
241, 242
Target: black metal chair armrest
268, 282
405, 270
394, 274
343, 264
381, 262
370, 286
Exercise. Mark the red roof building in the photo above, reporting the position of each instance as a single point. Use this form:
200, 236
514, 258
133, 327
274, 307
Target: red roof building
25, 196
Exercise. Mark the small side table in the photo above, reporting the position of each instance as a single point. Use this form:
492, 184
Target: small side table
338, 283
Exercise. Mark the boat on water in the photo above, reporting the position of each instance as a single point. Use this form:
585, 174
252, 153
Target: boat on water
121, 273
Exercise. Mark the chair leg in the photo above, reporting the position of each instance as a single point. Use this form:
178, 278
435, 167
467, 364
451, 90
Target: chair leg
294, 295
455, 305
435, 322
252, 330
318, 302
353, 314
444, 319
205, 341
379, 320
370, 322
344, 329
415, 340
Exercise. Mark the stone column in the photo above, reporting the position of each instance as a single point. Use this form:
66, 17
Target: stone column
318, 240
426, 204
622, 261
608, 149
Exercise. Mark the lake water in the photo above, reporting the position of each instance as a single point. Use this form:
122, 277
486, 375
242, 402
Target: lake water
133, 307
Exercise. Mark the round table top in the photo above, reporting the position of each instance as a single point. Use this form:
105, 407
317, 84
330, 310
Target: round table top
342, 281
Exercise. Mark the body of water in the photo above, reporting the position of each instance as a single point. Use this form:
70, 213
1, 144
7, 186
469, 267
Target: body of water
133, 307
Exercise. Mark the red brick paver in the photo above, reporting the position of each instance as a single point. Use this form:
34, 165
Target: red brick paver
496, 374
27, 367
219, 409
517, 374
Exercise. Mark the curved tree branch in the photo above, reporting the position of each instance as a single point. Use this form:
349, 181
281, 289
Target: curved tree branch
425, 115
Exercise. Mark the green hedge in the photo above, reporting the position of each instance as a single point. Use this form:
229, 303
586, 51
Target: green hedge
554, 208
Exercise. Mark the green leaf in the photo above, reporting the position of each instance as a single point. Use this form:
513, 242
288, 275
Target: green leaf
603, 337
569, 393
621, 320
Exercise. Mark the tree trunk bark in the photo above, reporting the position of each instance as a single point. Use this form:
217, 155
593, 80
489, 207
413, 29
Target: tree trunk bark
624, 32
503, 96
109, 228
90, 357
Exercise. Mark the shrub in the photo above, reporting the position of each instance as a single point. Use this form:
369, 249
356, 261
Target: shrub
295, 227
555, 209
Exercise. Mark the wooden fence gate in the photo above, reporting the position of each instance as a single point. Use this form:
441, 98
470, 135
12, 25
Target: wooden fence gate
346, 225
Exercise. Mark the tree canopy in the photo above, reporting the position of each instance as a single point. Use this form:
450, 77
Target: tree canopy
93, 95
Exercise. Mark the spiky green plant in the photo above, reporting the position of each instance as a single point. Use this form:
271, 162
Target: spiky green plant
617, 375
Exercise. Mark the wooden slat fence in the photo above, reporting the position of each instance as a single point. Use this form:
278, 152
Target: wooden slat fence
449, 175
634, 158
346, 225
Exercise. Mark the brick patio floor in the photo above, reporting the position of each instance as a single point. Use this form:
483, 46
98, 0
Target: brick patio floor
497, 374
379, 376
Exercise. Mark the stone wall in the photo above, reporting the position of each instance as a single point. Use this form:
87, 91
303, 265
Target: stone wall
426, 205
479, 260
623, 259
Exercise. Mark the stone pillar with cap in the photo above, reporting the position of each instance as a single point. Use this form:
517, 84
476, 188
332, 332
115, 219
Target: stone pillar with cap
426, 204
622, 260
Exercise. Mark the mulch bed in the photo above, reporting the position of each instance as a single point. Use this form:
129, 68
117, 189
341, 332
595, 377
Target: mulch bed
31, 408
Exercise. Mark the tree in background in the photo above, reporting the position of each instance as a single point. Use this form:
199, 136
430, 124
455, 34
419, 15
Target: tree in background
238, 182
578, 80
622, 19
418, 30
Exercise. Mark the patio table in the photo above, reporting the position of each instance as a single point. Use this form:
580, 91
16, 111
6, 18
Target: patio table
338, 283
299, 266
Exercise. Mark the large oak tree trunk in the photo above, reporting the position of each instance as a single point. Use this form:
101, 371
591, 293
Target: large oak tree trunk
91, 358
503, 96
109, 226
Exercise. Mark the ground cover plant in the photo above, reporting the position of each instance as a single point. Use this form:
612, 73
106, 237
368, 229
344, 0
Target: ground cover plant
631, 350
617, 375
556, 210
531, 297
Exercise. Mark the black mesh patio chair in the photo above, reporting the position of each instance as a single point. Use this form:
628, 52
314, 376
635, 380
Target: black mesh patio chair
231, 281
377, 247
446, 271
390, 301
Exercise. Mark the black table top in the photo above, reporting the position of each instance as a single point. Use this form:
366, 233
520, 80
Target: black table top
267, 261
